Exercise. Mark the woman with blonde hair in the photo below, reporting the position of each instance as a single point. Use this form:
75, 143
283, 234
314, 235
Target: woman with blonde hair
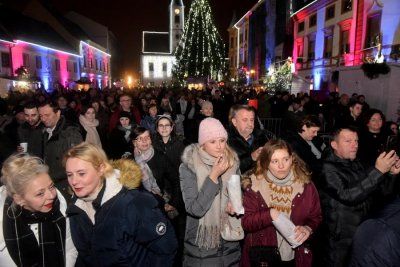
279, 190
34, 230
112, 222
204, 173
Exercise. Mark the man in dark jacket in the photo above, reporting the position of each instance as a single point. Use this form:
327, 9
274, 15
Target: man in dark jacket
243, 137
346, 191
57, 138
377, 240
31, 130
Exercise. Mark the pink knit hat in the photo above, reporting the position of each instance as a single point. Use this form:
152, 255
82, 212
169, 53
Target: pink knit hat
209, 129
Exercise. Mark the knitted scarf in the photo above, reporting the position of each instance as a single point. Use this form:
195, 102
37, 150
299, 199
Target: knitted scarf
92, 136
279, 194
25, 249
148, 180
209, 229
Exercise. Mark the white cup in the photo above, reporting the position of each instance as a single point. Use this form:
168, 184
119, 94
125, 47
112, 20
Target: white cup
24, 147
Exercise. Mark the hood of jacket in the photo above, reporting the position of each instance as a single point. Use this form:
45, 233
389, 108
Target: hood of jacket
187, 156
130, 175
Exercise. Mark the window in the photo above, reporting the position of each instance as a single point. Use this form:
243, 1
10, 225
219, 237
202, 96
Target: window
311, 49
84, 61
330, 12
241, 38
75, 67
245, 34
313, 20
300, 26
67, 63
373, 30
177, 19
5, 60
347, 5
38, 60
57, 63
25, 60
164, 67
91, 63
232, 42
151, 66
344, 42
328, 43
299, 48
96, 65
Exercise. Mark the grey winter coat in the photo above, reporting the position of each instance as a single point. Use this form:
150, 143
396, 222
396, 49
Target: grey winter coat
197, 204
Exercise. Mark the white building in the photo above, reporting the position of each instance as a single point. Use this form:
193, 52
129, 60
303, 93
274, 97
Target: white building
158, 48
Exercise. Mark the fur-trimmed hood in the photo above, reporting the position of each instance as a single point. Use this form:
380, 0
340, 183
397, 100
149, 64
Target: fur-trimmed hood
130, 173
187, 156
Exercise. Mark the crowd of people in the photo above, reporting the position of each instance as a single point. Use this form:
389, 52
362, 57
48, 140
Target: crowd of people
141, 178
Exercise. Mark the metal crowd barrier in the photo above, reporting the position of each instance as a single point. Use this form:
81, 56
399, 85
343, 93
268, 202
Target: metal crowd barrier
272, 125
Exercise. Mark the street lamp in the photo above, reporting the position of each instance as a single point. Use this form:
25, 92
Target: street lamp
129, 81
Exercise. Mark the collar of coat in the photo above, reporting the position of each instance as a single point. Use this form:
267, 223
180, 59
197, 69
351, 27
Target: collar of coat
112, 187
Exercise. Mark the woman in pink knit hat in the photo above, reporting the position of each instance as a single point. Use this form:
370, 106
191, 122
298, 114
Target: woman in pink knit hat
204, 173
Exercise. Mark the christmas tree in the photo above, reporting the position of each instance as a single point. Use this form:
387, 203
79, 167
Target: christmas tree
200, 53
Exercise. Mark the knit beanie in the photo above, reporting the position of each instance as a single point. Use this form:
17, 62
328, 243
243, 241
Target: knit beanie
125, 114
210, 129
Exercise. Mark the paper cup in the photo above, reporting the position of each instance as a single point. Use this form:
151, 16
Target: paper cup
24, 147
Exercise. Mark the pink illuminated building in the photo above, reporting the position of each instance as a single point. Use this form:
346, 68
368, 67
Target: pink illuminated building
330, 35
53, 54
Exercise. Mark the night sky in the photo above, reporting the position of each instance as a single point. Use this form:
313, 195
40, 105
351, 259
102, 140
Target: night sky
127, 19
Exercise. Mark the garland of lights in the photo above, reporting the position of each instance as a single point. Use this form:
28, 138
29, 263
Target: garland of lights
200, 52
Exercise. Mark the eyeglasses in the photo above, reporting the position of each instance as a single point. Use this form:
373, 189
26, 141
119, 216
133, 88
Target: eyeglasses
143, 139
164, 125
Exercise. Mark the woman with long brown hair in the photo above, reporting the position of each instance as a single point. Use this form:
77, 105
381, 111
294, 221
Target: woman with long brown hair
279, 189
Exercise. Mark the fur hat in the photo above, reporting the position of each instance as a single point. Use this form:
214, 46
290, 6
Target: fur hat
211, 128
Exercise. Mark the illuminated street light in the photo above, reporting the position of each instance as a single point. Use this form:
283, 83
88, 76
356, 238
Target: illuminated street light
129, 81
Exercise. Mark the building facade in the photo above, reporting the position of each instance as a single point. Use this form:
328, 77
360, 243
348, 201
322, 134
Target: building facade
332, 34
258, 40
158, 48
52, 54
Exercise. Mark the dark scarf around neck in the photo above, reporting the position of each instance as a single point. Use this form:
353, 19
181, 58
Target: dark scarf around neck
21, 243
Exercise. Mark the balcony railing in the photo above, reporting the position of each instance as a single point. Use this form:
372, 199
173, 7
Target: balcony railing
390, 52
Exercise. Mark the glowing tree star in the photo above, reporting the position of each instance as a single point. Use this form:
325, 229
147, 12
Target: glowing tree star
200, 53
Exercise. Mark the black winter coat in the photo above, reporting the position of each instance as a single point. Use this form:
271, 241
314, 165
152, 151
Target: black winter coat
173, 149
130, 230
377, 240
64, 136
243, 148
167, 178
346, 191
303, 150
32, 136
117, 144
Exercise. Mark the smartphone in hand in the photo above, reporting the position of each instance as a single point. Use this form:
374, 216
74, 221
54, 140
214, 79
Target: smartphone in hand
392, 143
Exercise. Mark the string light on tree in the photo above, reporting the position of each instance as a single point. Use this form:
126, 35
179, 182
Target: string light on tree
200, 52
